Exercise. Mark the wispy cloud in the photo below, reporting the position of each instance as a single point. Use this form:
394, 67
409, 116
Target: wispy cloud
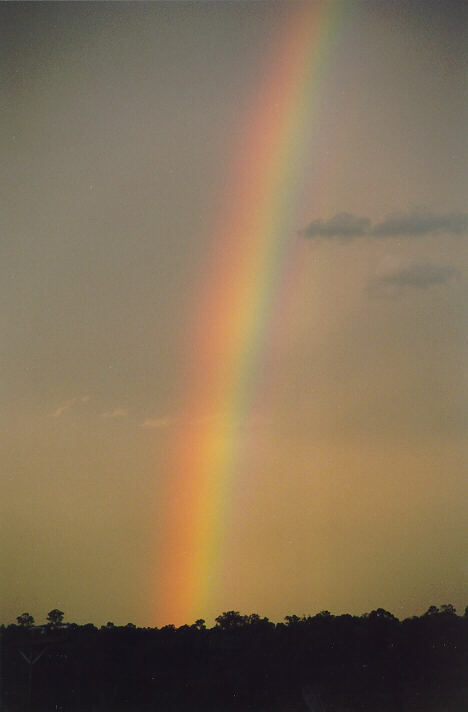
116, 413
62, 408
397, 276
416, 223
343, 226
153, 423
68, 404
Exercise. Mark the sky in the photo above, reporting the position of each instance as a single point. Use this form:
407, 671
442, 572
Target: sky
334, 378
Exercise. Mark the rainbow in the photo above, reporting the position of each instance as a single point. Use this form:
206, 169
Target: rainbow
251, 239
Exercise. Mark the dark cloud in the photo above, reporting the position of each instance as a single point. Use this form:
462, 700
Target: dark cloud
422, 223
343, 226
396, 276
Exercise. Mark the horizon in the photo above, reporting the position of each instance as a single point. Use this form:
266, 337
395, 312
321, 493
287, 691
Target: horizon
243, 618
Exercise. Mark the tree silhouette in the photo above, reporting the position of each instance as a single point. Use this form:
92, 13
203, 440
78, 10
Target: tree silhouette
230, 620
292, 620
25, 620
55, 618
448, 608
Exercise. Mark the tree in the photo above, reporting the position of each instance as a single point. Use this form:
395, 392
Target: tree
382, 613
448, 609
255, 620
292, 620
25, 620
323, 614
230, 620
55, 618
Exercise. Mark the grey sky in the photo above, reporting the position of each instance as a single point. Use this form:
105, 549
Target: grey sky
117, 131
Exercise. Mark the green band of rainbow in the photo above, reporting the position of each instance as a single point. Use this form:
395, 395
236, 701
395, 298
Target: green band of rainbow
250, 244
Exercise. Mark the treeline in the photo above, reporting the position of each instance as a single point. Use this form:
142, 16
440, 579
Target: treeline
320, 663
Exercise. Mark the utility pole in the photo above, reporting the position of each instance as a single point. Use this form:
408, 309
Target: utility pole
1, 668
31, 661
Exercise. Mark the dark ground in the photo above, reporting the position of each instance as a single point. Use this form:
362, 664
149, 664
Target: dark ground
372, 663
